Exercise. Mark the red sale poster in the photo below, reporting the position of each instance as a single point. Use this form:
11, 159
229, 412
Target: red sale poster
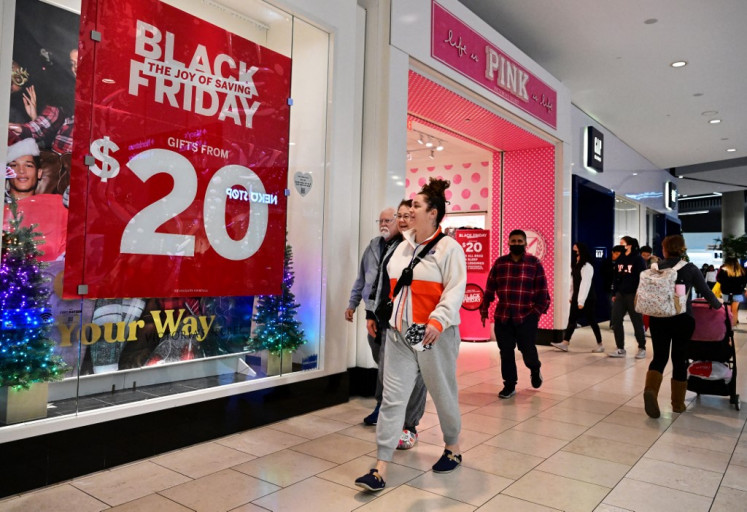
180, 157
476, 245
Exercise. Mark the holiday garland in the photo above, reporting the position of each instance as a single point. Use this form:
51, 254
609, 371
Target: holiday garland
26, 352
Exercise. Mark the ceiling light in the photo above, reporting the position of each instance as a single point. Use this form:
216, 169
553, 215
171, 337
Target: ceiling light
420, 138
440, 146
715, 121
698, 212
731, 150
650, 21
635, 174
709, 113
432, 156
429, 143
679, 64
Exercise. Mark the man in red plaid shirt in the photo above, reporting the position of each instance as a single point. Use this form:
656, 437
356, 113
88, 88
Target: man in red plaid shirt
518, 280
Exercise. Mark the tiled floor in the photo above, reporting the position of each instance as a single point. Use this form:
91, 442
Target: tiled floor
580, 443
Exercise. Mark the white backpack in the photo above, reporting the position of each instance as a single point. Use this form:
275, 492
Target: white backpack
656, 296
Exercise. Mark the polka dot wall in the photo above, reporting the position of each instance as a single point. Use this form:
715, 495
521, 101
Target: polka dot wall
529, 204
470, 182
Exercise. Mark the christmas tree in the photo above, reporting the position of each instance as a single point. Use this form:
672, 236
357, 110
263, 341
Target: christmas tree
277, 329
25, 348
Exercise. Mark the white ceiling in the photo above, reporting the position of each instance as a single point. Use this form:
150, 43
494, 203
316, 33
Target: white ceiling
455, 149
615, 60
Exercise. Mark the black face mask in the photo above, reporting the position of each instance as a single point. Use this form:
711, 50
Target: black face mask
575, 255
517, 250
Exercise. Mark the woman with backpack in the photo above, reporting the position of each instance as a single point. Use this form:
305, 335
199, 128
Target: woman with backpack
733, 279
675, 331
583, 297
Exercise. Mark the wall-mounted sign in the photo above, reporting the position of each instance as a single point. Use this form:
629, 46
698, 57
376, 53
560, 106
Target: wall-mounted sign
455, 44
594, 152
180, 157
670, 195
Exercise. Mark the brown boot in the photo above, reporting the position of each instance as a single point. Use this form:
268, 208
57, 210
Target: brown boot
679, 388
651, 392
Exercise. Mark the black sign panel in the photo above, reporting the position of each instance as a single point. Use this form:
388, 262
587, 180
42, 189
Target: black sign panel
594, 149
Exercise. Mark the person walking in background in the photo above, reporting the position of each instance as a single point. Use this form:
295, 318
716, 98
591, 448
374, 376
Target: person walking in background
711, 276
628, 269
423, 333
518, 281
733, 280
583, 297
674, 331
647, 253
377, 328
367, 272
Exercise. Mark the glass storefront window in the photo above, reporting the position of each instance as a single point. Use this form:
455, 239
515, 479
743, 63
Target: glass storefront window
207, 131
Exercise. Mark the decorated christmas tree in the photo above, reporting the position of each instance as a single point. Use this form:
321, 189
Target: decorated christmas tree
25, 348
277, 329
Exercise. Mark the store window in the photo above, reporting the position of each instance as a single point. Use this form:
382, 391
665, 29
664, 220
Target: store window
194, 185
627, 219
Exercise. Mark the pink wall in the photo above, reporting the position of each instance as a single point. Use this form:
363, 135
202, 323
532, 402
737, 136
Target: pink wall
529, 204
470, 182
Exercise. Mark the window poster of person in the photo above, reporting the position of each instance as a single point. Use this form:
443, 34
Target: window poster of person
92, 335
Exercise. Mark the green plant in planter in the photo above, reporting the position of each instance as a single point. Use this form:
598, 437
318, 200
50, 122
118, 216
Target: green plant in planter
277, 329
734, 246
26, 352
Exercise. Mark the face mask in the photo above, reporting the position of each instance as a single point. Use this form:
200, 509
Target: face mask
575, 255
517, 250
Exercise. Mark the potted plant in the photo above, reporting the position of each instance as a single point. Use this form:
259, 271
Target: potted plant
734, 246
27, 362
276, 329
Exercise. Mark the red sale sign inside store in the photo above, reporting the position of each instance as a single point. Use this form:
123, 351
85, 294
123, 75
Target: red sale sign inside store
180, 157
476, 246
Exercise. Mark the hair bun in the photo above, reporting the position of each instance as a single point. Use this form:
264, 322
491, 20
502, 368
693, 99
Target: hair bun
437, 186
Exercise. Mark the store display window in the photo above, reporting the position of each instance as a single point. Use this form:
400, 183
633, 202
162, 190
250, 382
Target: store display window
172, 157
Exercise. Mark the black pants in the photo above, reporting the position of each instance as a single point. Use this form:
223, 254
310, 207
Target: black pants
625, 303
509, 337
676, 332
589, 312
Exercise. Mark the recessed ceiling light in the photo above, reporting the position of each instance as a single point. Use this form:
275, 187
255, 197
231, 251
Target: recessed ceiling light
709, 113
724, 138
715, 121
697, 94
731, 150
635, 174
650, 21
679, 64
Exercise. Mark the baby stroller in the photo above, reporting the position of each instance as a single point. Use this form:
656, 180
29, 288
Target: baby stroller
712, 343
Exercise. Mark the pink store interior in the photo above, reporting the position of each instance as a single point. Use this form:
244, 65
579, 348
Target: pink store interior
502, 176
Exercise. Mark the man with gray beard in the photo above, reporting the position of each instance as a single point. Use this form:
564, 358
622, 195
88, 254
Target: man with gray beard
367, 272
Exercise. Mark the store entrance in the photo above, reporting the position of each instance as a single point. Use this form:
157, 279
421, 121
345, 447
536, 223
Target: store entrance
502, 178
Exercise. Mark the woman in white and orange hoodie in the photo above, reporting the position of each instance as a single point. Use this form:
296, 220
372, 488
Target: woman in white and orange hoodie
431, 300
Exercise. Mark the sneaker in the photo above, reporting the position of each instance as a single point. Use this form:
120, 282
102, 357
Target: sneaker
536, 379
599, 349
507, 392
447, 463
407, 440
620, 352
641, 354
372, 418
371, 481
563, 345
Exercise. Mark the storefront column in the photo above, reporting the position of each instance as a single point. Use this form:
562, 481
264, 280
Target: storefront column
732, 213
